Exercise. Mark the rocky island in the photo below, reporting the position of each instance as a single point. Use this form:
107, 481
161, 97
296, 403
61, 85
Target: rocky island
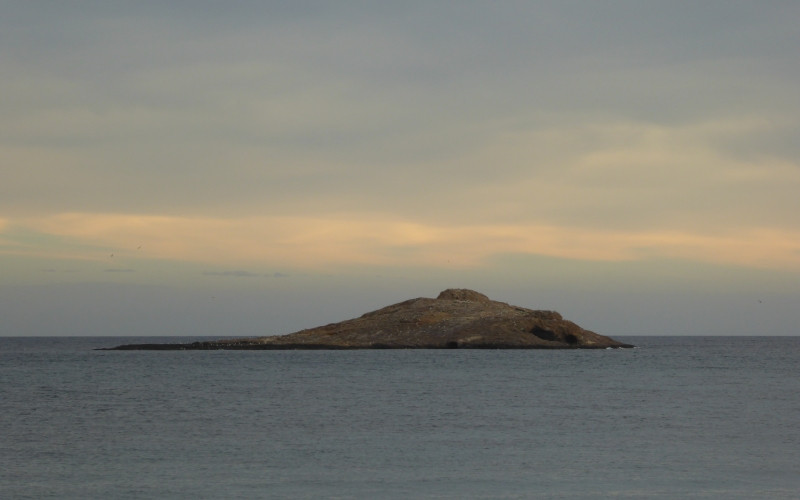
456, 319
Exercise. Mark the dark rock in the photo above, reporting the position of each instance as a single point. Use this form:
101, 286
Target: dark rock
457, 318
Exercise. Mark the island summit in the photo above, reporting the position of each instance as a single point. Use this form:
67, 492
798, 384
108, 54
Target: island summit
456, 319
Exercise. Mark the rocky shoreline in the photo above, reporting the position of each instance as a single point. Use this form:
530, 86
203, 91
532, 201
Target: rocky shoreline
456, 319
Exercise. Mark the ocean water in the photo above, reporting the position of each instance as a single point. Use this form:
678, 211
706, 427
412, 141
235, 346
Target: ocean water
678, 417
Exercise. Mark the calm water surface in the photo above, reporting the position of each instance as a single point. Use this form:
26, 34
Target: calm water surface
691, 417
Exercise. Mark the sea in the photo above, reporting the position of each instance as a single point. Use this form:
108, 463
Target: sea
676, 417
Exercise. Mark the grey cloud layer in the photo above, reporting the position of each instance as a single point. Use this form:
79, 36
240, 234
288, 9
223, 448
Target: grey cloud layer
411, 108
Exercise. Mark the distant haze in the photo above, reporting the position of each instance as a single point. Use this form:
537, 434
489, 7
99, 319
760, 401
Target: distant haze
195, 168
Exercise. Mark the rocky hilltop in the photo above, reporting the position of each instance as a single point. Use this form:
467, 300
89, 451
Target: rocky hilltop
457, 318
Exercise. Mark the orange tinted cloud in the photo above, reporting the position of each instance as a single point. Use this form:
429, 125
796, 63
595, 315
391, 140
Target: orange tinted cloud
320, 242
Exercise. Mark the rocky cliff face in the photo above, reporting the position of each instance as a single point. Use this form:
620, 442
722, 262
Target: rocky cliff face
457, 318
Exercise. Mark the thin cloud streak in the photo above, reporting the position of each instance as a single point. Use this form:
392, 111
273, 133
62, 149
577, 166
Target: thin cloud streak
244, 274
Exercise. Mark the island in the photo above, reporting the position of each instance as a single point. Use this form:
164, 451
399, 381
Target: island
456, 319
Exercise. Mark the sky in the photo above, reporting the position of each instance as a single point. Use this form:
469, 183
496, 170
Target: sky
255, 168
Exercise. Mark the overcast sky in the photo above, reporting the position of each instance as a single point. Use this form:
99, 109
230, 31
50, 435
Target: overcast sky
247, 168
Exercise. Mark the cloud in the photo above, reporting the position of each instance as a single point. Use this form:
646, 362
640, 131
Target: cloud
636, 176
375, 240
245, 274
234, 274
402, 135
171, 111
